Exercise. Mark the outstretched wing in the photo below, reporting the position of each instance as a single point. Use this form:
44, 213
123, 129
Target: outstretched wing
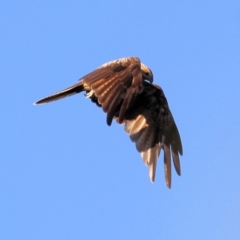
151, 126
113, 86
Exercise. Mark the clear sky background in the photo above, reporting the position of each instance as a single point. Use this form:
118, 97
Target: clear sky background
64, 174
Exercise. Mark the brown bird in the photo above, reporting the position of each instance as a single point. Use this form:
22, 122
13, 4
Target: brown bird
124, 90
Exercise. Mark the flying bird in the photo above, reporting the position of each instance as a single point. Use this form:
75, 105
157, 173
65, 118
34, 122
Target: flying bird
125, 91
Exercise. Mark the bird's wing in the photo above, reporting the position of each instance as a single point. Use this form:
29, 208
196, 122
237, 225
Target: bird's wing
151, 126
115, 84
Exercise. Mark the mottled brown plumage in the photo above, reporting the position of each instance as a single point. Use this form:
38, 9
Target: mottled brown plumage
124, 90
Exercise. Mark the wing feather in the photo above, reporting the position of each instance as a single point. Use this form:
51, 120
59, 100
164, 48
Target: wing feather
176, 162
111, 105
107, 92
102, 86
133, 127
167, 165
144, 137
150, 156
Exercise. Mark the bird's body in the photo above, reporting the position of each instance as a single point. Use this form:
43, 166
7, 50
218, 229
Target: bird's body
121, 89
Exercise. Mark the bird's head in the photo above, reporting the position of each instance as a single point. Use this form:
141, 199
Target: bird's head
146, 73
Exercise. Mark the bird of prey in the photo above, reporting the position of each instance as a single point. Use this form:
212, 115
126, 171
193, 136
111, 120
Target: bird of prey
125, 91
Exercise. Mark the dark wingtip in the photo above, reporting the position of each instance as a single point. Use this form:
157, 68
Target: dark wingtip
37, 103
180, 149
176, 162
181, 152
109, 121
178, 171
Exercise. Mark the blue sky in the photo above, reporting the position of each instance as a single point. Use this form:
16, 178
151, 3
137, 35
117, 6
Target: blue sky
64, 174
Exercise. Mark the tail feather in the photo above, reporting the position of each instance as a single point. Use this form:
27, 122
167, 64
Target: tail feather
77, 88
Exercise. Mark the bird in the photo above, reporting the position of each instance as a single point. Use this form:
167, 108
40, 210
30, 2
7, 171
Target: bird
124, 89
